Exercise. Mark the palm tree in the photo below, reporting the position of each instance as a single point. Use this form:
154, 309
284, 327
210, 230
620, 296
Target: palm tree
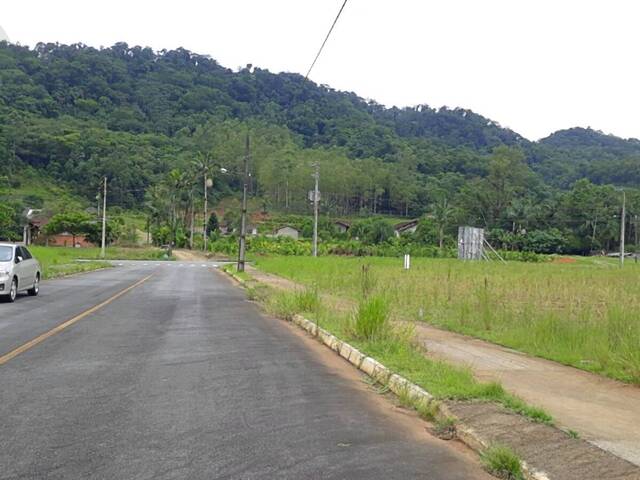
442, 216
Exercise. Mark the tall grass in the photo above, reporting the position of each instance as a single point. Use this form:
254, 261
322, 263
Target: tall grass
372, 318
585, 314
369, 330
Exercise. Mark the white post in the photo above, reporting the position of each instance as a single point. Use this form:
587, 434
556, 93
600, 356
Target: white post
623, 219
407, 261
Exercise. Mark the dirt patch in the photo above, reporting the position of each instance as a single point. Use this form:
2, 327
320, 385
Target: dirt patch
564, 260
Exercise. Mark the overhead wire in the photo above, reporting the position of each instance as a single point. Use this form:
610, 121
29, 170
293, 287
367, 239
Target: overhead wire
325, 40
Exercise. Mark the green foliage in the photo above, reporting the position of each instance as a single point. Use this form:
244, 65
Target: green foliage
372, 231
9, 223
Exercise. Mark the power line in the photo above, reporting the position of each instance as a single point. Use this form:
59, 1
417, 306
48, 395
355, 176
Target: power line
325, 40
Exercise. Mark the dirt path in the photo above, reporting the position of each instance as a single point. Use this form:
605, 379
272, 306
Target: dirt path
602, 411
189, 255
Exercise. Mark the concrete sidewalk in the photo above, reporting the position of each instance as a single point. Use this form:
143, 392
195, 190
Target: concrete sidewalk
603, 411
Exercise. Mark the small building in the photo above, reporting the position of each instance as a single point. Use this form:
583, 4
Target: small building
405, 227
65, 239
342, 226
287, 231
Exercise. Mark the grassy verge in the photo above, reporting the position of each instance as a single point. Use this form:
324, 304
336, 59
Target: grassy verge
369, 330
61, 261
580, 312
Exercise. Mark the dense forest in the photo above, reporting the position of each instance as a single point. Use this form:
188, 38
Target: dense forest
154, 122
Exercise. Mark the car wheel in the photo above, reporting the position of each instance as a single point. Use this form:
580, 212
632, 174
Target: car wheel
13, 292
33, 291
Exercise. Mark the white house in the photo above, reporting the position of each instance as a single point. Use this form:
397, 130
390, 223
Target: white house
341, 226
287, 231
405, 227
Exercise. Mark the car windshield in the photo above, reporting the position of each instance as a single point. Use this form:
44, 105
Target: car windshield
6, 253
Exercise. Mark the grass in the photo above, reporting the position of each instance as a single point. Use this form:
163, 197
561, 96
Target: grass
394, 348
60, 261
502, 462
585, 313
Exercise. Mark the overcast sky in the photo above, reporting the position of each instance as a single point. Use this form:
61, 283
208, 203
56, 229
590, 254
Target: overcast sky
535, 66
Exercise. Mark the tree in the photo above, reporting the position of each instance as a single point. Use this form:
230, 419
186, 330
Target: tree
443, 214
9, 226
74, 223
212, 224
372, 231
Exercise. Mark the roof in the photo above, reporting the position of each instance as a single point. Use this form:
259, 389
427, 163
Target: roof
405, 225
342, 222
287, 226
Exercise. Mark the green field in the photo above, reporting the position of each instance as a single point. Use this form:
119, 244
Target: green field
60, 261
585, 313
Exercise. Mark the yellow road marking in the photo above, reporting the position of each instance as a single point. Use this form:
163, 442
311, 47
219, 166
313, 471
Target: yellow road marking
32, 343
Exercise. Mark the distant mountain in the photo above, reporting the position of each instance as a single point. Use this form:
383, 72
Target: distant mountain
589, 138
64, 108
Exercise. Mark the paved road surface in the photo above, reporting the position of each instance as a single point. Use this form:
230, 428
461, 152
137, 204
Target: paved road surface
181, 377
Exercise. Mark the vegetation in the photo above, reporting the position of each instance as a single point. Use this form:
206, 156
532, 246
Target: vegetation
502, 462
582, 313
60, 261
154, 123
394, 347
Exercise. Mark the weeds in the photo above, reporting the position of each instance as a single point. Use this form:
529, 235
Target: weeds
501, 461
573, 434
445, 428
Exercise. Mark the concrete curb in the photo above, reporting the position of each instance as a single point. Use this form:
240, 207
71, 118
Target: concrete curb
398, 385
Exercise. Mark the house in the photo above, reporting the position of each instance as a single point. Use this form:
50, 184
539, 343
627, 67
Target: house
65, 239
405, 227
287, 231
341, 226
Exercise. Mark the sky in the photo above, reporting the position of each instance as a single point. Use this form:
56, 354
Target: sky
535, 66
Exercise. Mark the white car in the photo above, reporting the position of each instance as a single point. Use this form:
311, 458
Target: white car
19, 271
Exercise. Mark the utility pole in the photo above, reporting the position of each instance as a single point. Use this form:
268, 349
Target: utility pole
316, 195
622, 225
193, 215
243, 222
204, 222
104, 220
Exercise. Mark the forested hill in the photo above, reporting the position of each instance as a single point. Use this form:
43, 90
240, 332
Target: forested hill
78, 113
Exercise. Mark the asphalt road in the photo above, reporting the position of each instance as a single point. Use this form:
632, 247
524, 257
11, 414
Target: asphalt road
182, 378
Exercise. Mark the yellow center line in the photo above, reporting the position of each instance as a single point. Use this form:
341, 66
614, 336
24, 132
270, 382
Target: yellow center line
41, 338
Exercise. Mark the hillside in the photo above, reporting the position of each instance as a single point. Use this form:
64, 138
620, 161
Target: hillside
76, 114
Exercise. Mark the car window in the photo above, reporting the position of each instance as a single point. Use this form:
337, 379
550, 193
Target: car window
26, 254
6, 253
